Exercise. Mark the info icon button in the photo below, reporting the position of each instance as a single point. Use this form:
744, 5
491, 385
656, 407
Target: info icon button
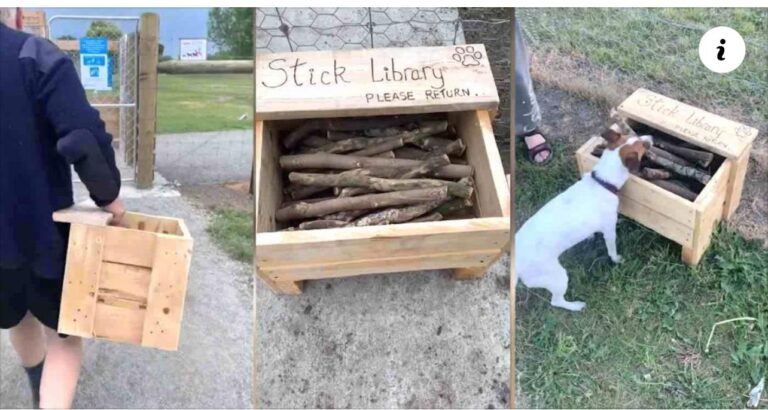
722, 49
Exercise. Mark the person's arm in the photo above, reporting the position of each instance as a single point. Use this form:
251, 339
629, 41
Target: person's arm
82, 136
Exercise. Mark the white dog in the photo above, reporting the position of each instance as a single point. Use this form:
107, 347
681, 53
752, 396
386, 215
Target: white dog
589, 206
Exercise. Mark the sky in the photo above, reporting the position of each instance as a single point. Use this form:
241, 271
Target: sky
175, 23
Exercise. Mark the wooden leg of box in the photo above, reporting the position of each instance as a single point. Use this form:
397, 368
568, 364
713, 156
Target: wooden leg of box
469, 273
735, 184
692, 255
283, 287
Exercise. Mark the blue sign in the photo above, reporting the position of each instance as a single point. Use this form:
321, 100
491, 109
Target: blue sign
95, 63
94, 45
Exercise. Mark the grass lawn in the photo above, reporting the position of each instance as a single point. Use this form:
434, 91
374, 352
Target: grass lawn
660, 47
204, 102
232, 231
640, 341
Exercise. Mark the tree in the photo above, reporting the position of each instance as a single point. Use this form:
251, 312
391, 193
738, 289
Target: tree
67, 37
160, 49
106, 29
232, 30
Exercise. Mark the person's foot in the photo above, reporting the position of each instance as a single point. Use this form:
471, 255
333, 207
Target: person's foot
539, 150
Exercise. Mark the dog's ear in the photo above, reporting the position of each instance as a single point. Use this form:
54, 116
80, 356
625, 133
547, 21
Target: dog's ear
612, 137
630, 157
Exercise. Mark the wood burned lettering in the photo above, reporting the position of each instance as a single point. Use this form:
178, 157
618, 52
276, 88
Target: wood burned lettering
299, 74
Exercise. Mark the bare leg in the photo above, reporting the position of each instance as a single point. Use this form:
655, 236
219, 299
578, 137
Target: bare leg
28, 340
61, 371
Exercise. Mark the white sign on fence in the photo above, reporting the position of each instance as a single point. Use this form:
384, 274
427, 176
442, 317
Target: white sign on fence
193, 49
95, 67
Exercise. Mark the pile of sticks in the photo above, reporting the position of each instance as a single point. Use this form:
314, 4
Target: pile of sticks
373, 171
672, 164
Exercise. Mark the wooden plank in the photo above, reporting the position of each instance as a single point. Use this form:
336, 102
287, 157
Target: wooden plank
354, 267
267, 178
206, 67
124, 281
492, 190
662, 224
81, 278
85, 215
119, 324
373, 82
150, 223
709, 206
643, 192
129, 246
709, 131
370, 242
167, 289
736, 184
147, 110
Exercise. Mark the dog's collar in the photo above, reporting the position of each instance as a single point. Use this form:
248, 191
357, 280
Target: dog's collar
603, 183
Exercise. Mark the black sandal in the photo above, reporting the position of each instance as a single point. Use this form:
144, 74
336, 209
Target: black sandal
538, 149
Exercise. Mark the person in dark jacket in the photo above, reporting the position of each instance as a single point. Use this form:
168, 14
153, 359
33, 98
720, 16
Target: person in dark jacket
46, 127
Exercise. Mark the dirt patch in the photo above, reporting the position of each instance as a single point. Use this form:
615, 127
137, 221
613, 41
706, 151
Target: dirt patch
571, 119
232, 195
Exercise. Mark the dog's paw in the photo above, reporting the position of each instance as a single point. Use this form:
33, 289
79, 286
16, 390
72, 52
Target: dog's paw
576, 306
617, 260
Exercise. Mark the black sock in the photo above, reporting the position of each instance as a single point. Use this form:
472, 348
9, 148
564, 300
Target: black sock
35, 374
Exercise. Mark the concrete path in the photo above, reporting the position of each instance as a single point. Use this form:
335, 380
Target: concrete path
414, 340
213, 367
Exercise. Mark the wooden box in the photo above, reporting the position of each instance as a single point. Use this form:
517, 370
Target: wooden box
284, 259
688, 223
125, 284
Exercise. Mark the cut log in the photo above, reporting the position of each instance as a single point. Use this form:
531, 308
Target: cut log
333, 161
372, 201
621, 121
426, 167
388, 154
434, 216
686, 171
347, 192
321, 224
397, 215
340, 136
702, 158
315, 141
387, 145
455, 189
670, 156
346, 216
339, 147
655, 173
454, 206
307, 200
675, 188
349, 124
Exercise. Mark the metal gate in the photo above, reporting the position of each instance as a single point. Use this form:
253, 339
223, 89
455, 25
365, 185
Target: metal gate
118, 106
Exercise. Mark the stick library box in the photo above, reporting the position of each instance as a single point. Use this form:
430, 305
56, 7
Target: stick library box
295, 87
689, 223
128, 283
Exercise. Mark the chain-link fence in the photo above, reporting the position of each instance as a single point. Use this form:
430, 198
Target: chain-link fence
613, 51
118, 105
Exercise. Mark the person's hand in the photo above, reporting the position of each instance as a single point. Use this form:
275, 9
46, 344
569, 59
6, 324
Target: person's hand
117, 210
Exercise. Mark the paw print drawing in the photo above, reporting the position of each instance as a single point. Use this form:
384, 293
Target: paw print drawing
467, 56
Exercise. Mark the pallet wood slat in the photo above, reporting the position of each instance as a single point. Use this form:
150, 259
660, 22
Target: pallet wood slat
127, 284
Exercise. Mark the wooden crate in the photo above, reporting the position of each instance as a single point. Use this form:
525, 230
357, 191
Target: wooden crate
125, 284
688, 223
283, 260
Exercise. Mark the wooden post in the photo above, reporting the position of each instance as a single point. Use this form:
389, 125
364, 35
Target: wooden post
147, 110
